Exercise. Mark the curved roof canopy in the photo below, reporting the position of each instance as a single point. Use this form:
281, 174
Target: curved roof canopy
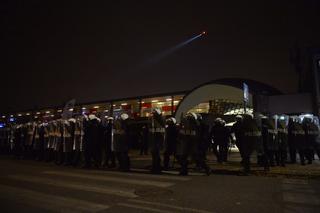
208, 92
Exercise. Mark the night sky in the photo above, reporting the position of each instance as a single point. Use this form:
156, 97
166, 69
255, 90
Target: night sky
52, 51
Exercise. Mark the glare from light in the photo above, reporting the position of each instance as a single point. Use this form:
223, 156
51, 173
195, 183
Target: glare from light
3, 116
19, 115
71, 109
28, 113
124, 104
38, 113
154, 101
96, 107
168, 99
83, 108
59, 110
47, 112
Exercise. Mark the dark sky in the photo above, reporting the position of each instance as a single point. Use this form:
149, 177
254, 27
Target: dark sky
53, 51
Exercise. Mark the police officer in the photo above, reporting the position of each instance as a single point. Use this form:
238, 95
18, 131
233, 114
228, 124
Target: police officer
170, 141
291, 145
156, 131
120, 141
204, 138
92, 151
299, 139
269, 138
221, 137
188, 140
283, 142
252, 140
311, 133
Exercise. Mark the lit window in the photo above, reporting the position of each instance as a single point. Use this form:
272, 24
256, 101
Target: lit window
124, 104
47, 112
19, 115
71, 110
38, 113
154, 101
96, 107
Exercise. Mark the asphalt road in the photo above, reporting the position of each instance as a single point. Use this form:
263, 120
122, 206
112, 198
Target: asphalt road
30, 186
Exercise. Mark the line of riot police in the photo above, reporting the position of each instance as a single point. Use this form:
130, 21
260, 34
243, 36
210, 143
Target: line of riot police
92, 141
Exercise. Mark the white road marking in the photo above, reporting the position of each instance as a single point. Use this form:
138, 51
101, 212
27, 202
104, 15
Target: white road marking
112, 179
174, 173
144, 208
49, 202
71, 185
184, 209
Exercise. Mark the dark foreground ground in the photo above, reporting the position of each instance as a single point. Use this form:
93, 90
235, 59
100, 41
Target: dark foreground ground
30, 186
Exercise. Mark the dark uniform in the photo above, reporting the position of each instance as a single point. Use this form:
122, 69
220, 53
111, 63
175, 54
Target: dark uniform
92, 143
299, 140
170, 142
120, 143
156, 131
312, 133
188, 144
283, 143
291, 144
270, 141
221, 137
251, 140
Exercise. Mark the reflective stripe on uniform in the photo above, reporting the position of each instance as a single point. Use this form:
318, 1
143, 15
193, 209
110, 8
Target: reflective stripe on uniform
161, 130
283, 131
272, 131
298, 132
253, 134
188, 132
313, 132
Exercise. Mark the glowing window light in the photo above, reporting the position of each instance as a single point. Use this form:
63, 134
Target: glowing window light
71, 109
83, 108
38, 113
47, 112
11, 116
124, 104
114, 105
36, 116
3, 116
154, 101
106, 110
96, 107
175, 102
168, 99
28, 113
142, 102
19, 115
52, 115
160, 103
